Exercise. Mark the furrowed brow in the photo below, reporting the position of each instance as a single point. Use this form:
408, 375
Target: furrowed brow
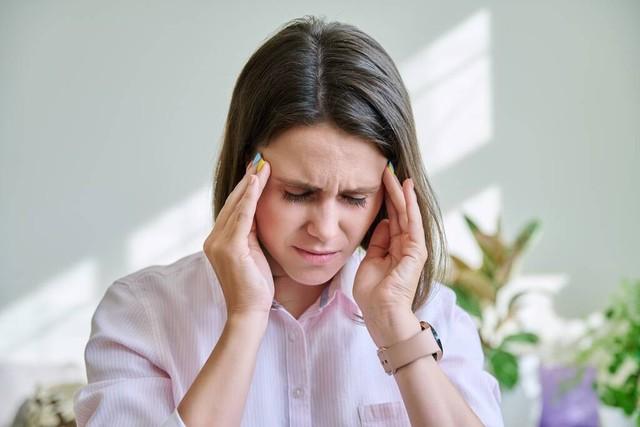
308, 187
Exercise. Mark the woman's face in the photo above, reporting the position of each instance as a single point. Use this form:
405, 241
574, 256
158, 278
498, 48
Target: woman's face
324, 191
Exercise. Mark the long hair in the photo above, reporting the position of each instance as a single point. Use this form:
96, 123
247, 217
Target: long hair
310, 72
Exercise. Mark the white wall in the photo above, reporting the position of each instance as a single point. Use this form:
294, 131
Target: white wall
111, 114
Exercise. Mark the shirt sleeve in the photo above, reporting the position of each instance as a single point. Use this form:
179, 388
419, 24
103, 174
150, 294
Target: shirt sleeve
125, 386
463, 363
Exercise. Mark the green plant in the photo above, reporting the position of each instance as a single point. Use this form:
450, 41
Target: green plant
613, 348
478, 290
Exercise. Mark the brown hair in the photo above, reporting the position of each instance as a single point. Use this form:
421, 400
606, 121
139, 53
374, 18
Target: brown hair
313, 72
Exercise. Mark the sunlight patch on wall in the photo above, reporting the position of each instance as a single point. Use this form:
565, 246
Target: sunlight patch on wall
51, 324
179, 231
449, 83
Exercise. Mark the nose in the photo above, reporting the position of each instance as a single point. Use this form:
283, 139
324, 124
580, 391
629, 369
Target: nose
324, 222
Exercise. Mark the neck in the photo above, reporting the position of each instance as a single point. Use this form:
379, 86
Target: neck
295, 297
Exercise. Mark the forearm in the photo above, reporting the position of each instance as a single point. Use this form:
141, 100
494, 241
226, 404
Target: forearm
428, 395
219, 392
430, 398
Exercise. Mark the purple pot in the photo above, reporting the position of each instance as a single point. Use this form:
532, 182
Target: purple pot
568, 401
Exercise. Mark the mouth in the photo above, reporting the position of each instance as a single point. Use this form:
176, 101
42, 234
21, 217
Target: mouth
316, 257
314, 252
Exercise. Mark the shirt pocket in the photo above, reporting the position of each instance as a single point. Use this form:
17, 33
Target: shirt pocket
386, 414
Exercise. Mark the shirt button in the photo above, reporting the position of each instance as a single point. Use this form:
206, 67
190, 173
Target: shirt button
298, 392
292, 336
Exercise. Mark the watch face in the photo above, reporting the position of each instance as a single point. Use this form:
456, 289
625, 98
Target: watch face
435, 335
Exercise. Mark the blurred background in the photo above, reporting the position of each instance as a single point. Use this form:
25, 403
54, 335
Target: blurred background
111, 116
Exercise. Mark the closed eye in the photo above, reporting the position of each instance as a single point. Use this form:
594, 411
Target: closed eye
303, 197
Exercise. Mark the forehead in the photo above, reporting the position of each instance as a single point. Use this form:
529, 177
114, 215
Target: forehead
322, 151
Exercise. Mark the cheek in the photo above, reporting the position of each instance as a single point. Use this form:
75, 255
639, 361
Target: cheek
356, 221
274, 217
265, 220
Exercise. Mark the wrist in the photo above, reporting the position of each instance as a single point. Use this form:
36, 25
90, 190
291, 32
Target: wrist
391, 328
248, 322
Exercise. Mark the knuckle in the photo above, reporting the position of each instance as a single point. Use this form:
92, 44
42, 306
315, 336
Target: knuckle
222, 255
212, 250
242, 215
208, 243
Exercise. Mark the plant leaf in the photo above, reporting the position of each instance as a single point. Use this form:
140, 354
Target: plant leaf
477, 284
491, 245
489, 266
459, 264
503, 272
527, 337
467, 302
504, 366
525, 236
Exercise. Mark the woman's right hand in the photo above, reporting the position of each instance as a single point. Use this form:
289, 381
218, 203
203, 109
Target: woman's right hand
234, 252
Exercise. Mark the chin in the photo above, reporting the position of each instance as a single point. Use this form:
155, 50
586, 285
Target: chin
312, 278
310, 275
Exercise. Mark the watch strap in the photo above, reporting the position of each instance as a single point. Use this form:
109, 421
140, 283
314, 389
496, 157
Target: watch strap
424, 343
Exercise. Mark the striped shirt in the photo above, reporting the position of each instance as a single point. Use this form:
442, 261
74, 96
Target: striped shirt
154, 330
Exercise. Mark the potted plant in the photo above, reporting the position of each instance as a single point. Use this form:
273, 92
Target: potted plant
612, 347
50, 406
478, 290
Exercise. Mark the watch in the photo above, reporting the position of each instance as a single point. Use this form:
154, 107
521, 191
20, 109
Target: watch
424, 343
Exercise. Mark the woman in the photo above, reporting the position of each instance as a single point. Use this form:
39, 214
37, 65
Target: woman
324, 258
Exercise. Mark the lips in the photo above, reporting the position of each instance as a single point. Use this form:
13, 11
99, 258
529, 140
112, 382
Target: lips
316, 257
316, 252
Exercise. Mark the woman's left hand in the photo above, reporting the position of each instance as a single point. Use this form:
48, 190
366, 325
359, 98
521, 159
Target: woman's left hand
388, 276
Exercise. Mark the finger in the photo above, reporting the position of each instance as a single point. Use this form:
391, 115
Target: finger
232, 200
416, 230
379, 243
263, 175
397, 197
246, 208
394, 226
237, 193
241, 221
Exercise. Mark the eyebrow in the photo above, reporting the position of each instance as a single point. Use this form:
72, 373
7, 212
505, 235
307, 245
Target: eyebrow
308, 187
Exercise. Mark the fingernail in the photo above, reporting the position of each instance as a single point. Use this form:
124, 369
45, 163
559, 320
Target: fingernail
260, 165
390, 167
256, 159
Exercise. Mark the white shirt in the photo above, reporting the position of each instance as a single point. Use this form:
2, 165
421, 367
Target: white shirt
154, 329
